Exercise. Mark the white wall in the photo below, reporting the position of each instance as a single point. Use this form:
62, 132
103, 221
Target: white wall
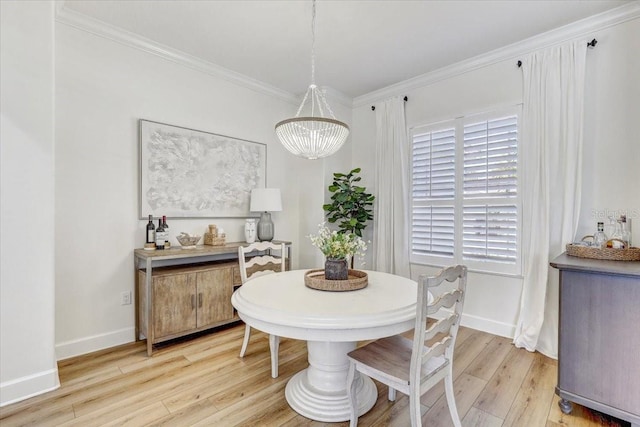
611, 139
611, 154
103, 88
27, 358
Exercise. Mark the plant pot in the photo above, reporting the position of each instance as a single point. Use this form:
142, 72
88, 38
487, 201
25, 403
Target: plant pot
336, 269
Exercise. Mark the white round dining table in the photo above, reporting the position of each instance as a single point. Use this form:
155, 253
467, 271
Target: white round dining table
332, 323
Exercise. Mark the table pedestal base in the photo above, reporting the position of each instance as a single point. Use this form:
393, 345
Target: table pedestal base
319, 392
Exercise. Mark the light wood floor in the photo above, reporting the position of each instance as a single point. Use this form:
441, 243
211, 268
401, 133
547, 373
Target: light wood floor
202, 381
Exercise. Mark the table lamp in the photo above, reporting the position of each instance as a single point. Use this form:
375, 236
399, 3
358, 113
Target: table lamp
265, 200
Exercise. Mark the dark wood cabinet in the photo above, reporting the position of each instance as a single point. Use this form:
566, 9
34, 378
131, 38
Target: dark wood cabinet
599, 336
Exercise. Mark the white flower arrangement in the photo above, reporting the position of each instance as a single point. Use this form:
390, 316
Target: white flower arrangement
337, 245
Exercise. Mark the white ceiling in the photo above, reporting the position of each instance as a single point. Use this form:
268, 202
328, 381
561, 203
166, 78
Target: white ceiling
361, 46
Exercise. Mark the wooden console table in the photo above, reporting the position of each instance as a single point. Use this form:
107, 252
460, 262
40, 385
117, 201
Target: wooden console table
182, 291
599, 336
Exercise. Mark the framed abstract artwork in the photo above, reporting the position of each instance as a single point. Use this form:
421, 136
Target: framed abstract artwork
187, 173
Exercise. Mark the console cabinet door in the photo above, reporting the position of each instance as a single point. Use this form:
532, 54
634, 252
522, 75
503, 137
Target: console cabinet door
214, 296
174, 304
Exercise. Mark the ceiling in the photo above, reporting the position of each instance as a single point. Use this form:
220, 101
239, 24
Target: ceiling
361, 46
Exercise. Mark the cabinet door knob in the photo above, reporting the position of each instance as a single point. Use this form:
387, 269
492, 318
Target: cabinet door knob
193, 302
200, 300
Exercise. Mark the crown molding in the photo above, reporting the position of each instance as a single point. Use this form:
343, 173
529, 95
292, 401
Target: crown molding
562, 34
337, 96
66, 16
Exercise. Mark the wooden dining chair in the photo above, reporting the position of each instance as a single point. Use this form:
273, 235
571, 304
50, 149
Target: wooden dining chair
254, 267
414, 366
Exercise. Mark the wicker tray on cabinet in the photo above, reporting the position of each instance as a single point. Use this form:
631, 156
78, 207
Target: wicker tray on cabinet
611, 254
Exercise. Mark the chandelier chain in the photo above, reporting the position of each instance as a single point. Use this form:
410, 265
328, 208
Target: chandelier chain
313, 42
304, 100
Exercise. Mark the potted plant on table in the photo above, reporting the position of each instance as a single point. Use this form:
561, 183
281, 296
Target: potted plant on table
350, 205
337, 248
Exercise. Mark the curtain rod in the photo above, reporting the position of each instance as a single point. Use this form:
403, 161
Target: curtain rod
592, 43
373, 107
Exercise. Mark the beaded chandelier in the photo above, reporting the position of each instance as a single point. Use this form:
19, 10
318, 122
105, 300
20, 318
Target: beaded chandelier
313, 137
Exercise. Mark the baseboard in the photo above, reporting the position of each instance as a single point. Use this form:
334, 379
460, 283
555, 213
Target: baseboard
32, 385
491, 326
93, 343
486, 325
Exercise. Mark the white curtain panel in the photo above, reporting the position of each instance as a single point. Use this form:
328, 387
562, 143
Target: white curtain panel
551, 153
391, 213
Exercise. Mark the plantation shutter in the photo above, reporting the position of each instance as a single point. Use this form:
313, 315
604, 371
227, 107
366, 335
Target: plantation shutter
433, 191
489, 232
433, 230
491, 157
434, 174
465, 202
489, 229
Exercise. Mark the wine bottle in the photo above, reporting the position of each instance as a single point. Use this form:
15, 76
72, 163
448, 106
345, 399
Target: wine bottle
165, 228
160, 238
151, 231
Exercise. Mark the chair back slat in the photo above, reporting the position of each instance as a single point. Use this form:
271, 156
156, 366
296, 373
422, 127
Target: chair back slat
446, 300
438, 349
450, 274
262, 246
442, 326
262, 261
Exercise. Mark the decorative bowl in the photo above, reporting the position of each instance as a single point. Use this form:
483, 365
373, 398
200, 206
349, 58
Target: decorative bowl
188, 241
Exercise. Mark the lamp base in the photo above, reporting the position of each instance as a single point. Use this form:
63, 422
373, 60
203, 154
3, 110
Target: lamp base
265, 227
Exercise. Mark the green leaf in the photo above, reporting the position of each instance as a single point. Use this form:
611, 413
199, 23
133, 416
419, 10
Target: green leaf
356, 170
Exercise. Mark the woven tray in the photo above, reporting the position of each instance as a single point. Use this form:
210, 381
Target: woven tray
314, 279
630, 254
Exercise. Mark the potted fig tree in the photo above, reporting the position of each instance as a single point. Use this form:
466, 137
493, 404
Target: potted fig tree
351, 205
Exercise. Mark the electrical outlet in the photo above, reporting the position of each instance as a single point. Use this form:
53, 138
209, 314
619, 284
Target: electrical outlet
125, 298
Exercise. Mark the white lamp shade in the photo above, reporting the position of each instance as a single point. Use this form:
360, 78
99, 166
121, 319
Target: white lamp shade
265, 200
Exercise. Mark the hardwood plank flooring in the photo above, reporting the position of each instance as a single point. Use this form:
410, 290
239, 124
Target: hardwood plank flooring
203, 382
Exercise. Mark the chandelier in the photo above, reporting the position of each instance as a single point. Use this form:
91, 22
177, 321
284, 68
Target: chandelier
313, 137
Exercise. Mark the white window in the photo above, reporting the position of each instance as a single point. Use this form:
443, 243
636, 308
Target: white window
465, 201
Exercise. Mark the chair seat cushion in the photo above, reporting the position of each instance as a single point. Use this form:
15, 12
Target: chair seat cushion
392, 357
